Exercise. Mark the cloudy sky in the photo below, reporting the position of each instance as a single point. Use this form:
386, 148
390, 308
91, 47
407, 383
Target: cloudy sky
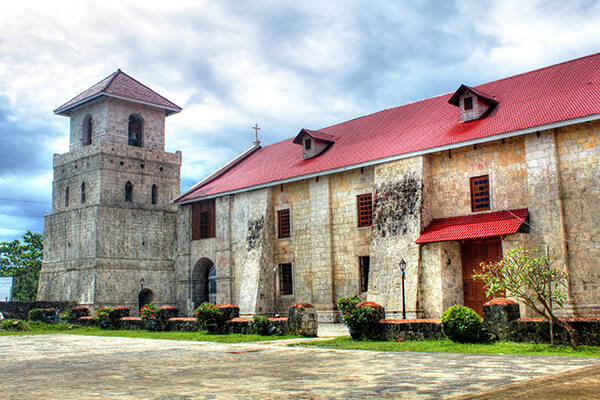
230, 64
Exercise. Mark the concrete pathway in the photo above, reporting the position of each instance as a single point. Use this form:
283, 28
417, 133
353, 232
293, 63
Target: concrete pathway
332, 330
88, 367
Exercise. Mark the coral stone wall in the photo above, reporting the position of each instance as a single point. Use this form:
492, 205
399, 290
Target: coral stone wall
579, 156
451, 170
398, 202
98, 247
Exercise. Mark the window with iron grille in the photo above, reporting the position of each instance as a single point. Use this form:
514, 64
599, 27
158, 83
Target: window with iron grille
364, 203
203, 219
480, 193
286, 286
283, 217
363, 265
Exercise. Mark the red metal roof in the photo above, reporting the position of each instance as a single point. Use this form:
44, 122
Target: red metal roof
119, 84
539, 98
473, 226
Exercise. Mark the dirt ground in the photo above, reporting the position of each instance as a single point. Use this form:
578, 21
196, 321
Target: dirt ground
88, 367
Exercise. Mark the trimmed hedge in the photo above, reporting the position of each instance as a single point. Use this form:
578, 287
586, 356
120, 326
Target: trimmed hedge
462, 324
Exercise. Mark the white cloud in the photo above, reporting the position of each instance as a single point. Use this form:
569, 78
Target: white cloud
285, 66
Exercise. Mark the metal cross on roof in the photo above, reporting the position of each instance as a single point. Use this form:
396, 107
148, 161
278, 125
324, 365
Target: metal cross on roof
256, 129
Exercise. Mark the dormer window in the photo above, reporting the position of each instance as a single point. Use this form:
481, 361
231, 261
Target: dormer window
468, 102
313, 142
473, 104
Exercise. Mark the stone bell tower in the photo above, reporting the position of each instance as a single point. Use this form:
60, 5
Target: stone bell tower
112, 222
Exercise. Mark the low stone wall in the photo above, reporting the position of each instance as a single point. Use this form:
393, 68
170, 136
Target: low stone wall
410, 329
20, 309
537, 330
502, 319
243, 325
303, 321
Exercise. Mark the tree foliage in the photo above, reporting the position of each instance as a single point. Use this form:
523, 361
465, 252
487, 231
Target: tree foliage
532, 279
23, 261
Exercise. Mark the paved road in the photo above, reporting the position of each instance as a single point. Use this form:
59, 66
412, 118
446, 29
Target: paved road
87, 367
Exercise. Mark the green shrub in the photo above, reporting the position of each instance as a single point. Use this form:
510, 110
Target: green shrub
362, 318
108, 317
149, 311
347, 304
36, 314
208, 312
67, 316
260, 325
462, 324
14, 325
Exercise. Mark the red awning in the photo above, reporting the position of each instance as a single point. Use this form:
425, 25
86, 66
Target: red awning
475, 226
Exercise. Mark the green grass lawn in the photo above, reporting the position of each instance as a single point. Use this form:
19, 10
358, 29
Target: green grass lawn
447, 346
38, 328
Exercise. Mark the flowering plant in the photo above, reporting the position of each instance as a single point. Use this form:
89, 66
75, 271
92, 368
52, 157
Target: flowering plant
104, 313
362, 320
208, 312
346, 304
149, 311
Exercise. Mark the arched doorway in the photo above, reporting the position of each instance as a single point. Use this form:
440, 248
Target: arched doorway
204, 285
145, 297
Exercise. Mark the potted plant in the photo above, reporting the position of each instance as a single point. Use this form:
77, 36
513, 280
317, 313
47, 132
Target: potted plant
105, 316
209, 316
359, 320
149, 313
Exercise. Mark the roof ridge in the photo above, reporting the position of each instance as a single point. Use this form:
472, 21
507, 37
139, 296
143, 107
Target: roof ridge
83, 91
539, 69
140, 83
111, 80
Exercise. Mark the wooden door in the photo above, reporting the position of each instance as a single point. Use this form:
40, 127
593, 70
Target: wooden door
473, 254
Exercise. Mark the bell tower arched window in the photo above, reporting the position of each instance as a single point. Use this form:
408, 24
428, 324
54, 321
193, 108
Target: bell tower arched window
135, 131
83, 192
154, 194
128, 192
88, 130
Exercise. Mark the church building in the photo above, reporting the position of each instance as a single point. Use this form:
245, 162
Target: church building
418, 195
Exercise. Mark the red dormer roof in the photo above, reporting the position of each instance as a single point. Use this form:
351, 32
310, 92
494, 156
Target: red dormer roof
546, 98
463, 88
120, 85
322, 136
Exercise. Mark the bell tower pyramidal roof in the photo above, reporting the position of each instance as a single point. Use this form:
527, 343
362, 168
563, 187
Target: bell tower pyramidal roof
121, 86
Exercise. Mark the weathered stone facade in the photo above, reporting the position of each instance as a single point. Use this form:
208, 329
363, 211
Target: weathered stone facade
547, 172
98, 248
98, 245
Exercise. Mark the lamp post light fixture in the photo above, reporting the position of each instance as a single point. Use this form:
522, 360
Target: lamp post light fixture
142, 284
403, 268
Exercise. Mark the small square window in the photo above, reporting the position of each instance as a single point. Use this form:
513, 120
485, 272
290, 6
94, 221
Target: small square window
468, 102
283, 217
286, 286
480, 193
364, 203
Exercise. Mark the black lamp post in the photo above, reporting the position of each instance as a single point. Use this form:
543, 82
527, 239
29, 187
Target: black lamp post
402, 268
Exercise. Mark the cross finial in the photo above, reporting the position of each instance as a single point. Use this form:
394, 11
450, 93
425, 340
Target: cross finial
256, 129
